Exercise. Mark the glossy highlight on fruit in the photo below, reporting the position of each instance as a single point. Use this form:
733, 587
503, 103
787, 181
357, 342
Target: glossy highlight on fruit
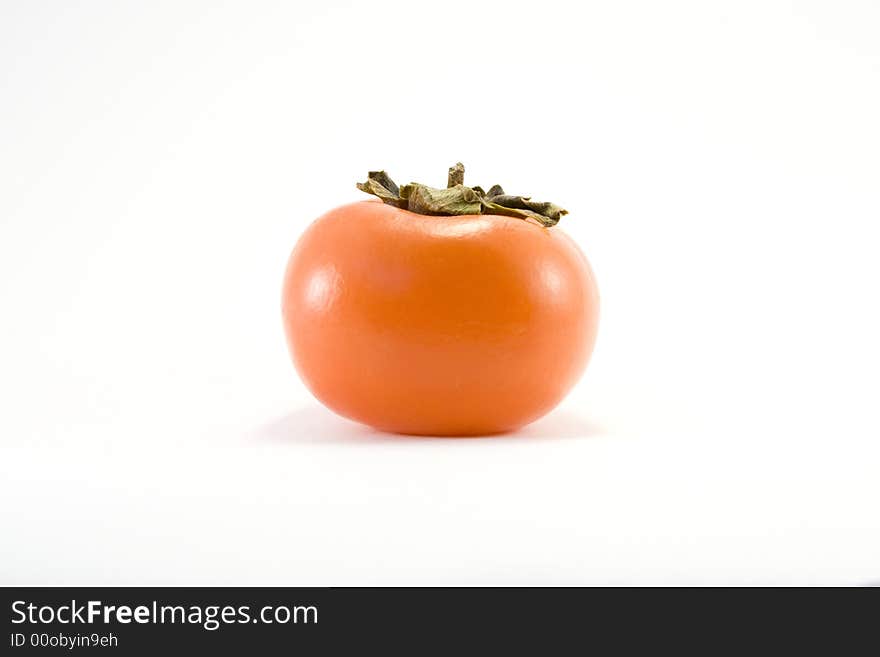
438, 325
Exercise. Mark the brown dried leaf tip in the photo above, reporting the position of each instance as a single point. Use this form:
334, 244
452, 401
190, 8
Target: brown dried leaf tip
457, 199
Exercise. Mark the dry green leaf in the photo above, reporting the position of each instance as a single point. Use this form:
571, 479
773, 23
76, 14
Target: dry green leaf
451, 201
545, 209
380, 184
522, 213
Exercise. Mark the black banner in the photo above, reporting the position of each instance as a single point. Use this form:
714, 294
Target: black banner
136, 621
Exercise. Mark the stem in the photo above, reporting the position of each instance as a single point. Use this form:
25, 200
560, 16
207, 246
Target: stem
456, 175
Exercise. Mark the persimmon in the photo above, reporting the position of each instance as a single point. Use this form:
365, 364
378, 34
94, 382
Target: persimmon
448, 312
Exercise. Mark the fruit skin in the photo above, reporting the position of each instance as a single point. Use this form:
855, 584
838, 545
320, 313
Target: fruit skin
447, 326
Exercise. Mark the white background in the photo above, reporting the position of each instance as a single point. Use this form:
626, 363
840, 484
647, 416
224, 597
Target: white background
721, 164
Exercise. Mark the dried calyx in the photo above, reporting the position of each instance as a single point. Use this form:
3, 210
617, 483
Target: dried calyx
458, 199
